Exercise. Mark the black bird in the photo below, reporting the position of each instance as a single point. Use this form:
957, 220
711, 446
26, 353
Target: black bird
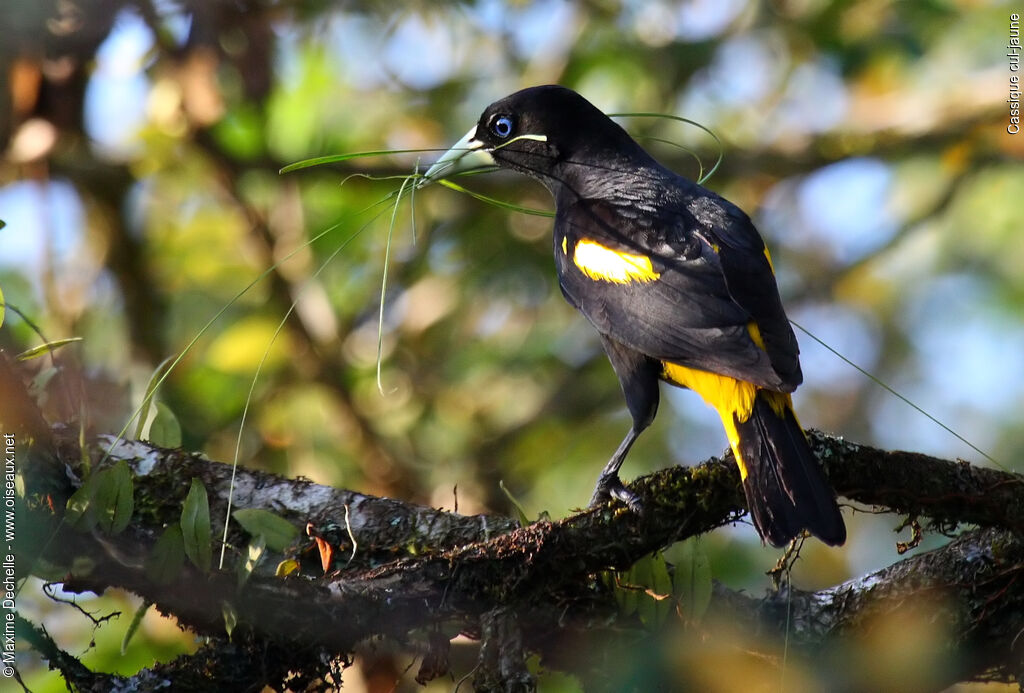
680, 287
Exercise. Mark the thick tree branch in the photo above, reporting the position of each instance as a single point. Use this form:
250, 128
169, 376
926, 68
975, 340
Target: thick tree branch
417, 570
970, 590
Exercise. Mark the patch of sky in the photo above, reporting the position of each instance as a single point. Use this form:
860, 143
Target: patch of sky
744, 70
842, 208
970, 355
845, 330
174, 20
814, 99
535, 28
355, 40
44, 226
657, 23
421, 51
699, 20
846, 203
966, 371
116, 95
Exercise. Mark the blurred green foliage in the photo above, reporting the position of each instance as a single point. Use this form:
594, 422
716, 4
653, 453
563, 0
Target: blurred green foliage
141, 193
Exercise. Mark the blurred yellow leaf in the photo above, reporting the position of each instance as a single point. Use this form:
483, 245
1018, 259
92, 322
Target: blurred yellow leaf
241, 347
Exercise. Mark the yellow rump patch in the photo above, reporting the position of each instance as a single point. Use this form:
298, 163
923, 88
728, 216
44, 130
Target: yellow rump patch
733, 400
604, 264
728, 396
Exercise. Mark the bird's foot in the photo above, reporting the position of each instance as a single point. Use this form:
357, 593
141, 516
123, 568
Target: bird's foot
612, 487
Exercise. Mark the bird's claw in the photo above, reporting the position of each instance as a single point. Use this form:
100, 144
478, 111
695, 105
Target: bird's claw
613, 488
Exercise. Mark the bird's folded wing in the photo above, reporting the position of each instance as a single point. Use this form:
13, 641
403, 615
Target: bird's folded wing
679, 290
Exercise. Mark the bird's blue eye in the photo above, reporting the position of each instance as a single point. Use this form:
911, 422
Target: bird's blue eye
502, 126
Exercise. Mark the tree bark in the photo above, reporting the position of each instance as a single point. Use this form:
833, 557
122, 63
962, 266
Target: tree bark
418, 576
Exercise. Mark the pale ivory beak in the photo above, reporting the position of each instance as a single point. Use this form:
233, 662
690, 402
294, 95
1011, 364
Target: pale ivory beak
465, 155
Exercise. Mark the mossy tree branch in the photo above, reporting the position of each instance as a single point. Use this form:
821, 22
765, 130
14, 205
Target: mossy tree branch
419, 575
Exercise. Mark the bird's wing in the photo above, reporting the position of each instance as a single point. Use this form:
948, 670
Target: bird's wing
687, 283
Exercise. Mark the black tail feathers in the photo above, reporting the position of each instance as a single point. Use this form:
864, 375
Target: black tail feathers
785, 486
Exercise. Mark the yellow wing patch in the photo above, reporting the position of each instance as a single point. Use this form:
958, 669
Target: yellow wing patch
604, 264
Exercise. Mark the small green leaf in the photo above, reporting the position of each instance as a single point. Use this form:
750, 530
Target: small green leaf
646, 589
195, 526
643, 581
134, 625
692, 580
46, 348
147, 399
278, 532
230, 617
659, 593
626, 593
257, 547
105, 500
164, 563
114, 518
79, 514
524, 521
335, 158
501, 204
165, 430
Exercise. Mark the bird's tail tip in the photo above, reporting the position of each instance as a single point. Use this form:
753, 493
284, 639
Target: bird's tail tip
786, 488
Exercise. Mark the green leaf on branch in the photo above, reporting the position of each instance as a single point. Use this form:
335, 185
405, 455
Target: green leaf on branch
165, 430
104, 501
195, 526
165, 561
46, 348
230, 617
147, 399
278, 532
646, 590
133, 627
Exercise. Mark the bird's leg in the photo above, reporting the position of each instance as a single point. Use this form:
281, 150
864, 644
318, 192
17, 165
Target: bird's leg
609, 485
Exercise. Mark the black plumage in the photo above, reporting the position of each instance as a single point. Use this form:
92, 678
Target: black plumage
679, 285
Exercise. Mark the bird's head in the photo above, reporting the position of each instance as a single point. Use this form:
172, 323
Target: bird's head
550, 133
